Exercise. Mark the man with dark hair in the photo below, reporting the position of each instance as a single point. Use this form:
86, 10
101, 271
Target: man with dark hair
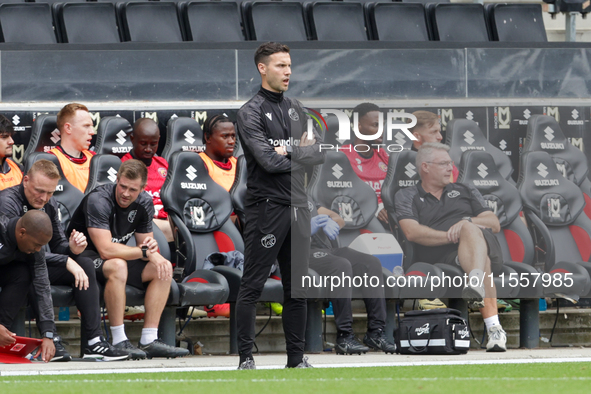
451, 223
370, 163
277, 149
144, 138
22, 263
65, 266
109, 216
11, 173
219, 138
76, 130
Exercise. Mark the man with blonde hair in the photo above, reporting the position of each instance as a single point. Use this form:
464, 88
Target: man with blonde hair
65, 266
109, 216
452, 224
76, 130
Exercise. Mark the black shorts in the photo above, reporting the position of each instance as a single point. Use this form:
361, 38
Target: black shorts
495, 253
134, 269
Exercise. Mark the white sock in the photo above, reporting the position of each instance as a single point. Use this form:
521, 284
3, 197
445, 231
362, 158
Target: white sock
94, 340
149, 335
118, 334
492, 321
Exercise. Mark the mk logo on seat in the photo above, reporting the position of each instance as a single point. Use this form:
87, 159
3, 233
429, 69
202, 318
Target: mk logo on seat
549, 133
482, 170
121, 137
191, 173
189, 137
336, 171
410, 170
197, 216
55, 136
554, 207
112, 174
542, 170
345, 211
468, 137
492, 205
504, 117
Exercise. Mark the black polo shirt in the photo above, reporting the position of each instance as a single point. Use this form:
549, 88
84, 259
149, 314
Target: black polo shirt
457, 201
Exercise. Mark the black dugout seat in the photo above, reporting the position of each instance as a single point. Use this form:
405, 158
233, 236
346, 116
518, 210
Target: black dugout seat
113, 136
44, 135
103, 170
397, 21
182, 135
336, 21
274, 21
27, 23
463, 135
212, 21
238, 190
199, 210
517, 22
150, 21
554, 206
458, 22
87, 23
544, 134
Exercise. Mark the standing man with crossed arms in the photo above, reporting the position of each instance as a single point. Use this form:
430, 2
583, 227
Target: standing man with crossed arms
277, 149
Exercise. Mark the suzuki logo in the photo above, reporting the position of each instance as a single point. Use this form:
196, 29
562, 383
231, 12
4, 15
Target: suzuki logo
527, 114
575, 114
549, 133
542, 170
470, 115
55, 136
468, 137
112, 174
16, 120
399, 138
121, 137
336, 171
482, 170
503, 144
189, 137
191, 173
410, 170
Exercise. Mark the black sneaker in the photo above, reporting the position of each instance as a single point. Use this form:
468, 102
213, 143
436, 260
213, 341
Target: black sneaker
134, 352
103, 350
160, 349
377, 340
61, 354
303, 364
247, 364
348, 344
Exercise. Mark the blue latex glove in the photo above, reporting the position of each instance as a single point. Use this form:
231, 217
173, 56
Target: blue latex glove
318, 222
331, 229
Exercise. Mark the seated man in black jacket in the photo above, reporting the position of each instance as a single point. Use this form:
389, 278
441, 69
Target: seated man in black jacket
22, 263
64, 263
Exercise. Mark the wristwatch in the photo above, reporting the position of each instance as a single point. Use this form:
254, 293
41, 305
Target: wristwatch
144, 251
48, 335
288, 150
468, 218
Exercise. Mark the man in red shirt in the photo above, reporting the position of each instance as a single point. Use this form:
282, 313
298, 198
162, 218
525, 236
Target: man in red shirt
371, 164
144, 138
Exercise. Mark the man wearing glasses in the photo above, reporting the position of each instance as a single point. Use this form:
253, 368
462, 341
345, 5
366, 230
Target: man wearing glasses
453, 224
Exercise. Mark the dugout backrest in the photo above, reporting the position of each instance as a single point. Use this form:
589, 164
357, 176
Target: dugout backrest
150, 21
103, 170
544, 134
274, 21
183, 134
238, 189
27, 23
335, 186
212, 21
454, 22
44, 135
113, 136
463, 135
336, 21
397, 21
88, 23
517, 23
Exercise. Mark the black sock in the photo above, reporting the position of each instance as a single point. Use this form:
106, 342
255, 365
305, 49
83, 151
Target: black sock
293, 361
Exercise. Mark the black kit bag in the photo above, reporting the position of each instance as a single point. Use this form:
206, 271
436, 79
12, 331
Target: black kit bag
436, 331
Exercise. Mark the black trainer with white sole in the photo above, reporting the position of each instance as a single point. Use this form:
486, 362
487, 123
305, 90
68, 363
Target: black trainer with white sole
160, 349
104, 351
61, 354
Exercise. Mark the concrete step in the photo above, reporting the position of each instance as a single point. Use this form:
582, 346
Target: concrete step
573, 329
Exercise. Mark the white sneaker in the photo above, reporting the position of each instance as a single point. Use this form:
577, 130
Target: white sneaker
497, 339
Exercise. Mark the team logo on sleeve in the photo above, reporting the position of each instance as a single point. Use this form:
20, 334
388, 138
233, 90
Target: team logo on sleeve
97, 263
268, 241
383, 166
453, 194
293, 115
310, 206
131, 216
319, 255
162, 172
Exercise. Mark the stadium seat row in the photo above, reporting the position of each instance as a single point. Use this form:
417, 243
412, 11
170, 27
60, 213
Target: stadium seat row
218, 21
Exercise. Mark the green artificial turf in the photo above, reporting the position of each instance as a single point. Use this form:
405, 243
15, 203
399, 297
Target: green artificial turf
561, 378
